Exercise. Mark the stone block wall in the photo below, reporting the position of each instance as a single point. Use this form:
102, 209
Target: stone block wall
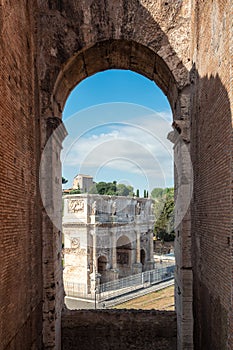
118, 329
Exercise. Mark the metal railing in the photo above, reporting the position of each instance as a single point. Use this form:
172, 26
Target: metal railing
76, 290
142, 280
121, 286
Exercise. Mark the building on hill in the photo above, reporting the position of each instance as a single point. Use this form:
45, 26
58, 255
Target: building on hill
83, 182
106, 235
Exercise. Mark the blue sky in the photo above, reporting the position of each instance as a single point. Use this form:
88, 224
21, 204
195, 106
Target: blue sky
118, 123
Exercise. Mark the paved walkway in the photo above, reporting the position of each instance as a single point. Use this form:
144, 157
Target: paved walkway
75, 303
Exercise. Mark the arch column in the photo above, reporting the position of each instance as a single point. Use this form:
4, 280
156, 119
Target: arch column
150, 264
183, 273
138, 247
51, 193
137, 266
114, 250
125, 53
94, 273
94, 268
151, 246
114, 273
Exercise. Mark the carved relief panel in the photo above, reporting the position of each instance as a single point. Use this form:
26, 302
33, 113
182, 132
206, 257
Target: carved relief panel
76, 206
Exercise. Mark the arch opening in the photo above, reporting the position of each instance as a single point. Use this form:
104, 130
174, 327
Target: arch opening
114, 54
85, 64
124, 256
102, 268
129, 222
143, 258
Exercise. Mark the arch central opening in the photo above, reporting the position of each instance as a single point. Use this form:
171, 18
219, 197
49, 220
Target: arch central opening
124, 258
118, 163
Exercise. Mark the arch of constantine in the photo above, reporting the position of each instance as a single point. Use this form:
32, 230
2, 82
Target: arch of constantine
47, 48
106, 235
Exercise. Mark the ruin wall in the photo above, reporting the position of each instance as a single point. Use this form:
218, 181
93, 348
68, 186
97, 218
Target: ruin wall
118, 329
211, 149
20, 211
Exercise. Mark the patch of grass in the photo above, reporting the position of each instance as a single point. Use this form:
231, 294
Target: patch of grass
160, 300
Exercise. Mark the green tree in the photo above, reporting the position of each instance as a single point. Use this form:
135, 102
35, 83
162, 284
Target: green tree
112, 189
102, 187
137, 193
157, 192
75, 191
93, 189
123, 190
164, 213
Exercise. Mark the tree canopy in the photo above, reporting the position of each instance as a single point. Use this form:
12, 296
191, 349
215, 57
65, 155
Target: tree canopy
123, 190
111, 188
75, 191
164, 213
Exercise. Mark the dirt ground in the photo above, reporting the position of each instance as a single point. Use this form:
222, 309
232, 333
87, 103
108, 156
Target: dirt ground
160, 300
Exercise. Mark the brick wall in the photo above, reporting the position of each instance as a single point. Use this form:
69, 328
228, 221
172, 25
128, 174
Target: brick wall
20, 239
211, 148
154, 39
118, 329
78, 40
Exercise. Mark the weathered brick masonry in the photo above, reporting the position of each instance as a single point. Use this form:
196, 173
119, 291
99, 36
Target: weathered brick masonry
20, 237
212, 160
48, 47
119, 329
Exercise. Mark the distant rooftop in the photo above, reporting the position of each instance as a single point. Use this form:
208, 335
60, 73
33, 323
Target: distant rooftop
83, 175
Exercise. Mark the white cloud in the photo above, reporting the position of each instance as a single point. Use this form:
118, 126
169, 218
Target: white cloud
134, 145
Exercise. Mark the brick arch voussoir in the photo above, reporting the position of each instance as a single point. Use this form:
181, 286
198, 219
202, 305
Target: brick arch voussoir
114, 54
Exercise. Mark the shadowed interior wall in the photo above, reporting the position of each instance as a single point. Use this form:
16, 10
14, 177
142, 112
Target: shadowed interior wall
20, 237
81, 39
211, 146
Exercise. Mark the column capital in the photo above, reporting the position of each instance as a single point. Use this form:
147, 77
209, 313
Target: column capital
55, 124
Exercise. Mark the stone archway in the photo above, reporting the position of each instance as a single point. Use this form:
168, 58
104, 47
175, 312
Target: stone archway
65, 83
145, 49
38, 44
124, 256
142, 258
107, 51
102, 263
102, 268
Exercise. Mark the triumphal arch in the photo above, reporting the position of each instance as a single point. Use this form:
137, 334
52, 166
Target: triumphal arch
111, 236
47, 48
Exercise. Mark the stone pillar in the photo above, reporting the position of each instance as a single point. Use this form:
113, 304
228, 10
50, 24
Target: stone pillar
183, 272
93, 282
114, 273
94, 263
138, 248
94, 269
151, 245
53, 133
150, 264
137, 267
94, 219
114, 250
